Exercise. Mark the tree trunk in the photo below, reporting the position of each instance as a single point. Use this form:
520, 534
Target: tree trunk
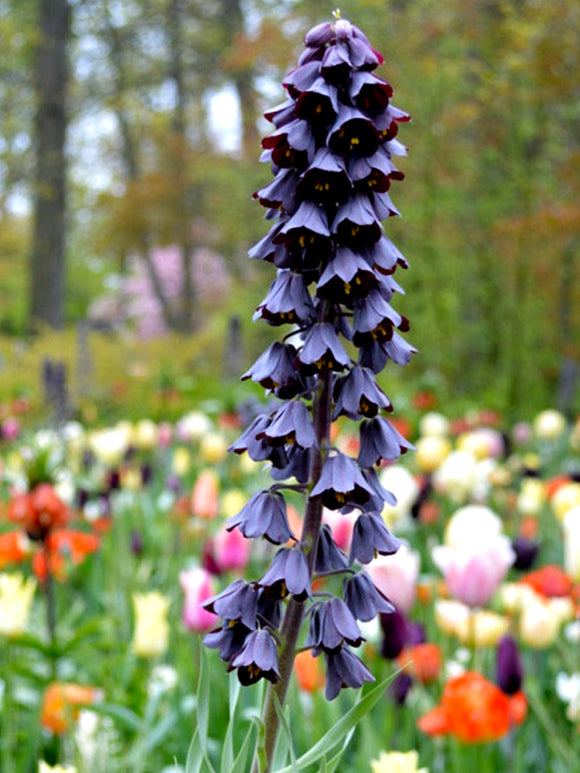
47, 264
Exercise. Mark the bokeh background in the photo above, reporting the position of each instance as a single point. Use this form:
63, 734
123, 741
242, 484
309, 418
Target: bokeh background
124, 259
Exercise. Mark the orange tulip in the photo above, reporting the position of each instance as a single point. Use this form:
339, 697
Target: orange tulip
550, 581
474, 710
308, 671
422, 661
62, 702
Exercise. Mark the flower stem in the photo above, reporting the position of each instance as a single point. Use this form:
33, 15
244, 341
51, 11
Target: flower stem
295, 611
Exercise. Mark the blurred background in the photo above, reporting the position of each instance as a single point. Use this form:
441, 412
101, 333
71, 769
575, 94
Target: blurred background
129, 143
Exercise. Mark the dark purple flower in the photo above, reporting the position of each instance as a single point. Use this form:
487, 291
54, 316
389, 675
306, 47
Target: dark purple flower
287, 574
229, 639
259, 449
287, 301
340, 482
257, 659
329, 558
281, 192
375, 319
374, 354
355, 224
297, 465
369, 537
369, 93
526, 551
509, 668
363, 599
269, 609
291, 423
318, 105
239, 601
325, 181
276, 369
380, 440
346, 276
357, 394
395, 634
400, 686
373, 174
281, 114
301, 79
322, 348
307, 228
263, 516
331, 625
344, 669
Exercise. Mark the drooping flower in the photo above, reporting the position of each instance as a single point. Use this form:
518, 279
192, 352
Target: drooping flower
16, 594
151, 631
257, 658
474, 710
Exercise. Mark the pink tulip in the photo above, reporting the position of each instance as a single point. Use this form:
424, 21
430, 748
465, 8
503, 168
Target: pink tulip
473, 573
230, 550
197, 586
396, 576
341, 527
165, 434
204, 497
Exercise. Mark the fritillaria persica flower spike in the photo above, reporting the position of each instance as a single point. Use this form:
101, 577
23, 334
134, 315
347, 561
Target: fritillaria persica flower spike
332, 158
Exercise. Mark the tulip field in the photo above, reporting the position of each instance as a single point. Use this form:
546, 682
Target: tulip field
112, 537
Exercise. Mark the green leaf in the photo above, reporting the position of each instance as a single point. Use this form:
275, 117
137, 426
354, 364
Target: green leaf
227, 760
284, 738
121, 714
203, 698
239, 765
344, 725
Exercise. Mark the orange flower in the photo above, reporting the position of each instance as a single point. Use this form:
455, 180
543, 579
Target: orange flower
204, 497
308, 671
62, 545
14, 547
422, 661
554, 484
39, 511
62, 702
474, 710
550, 581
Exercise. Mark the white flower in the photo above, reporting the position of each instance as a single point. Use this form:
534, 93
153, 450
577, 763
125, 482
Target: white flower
434, 424
151, 634
549, 425
456, 476
400, 482
568, 690
572, 543
472, 525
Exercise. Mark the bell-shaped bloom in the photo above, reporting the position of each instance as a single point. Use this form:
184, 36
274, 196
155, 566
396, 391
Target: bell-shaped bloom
263, 516
364, 600
257, 659
341, 482
358, 395
288, 573
276, 369
331, 625
204, 497
14, 547
62, 702
197, 586
239, 601
474, 710
151, 631
329, 557
287, 301
16, 594
371, 537
291, 423
380, 440
322, 347
473, 573
571, 525
344, 669
396, 576
397, 762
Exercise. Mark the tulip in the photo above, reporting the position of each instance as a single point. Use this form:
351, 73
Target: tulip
151, 633
110, 445
397, 762
230, 550
478, 628
521, 433
539, 624
509, 668
549, 425
197, 586
396, 577
568, 690
422, 661
566, 498
431, 450
472, 524
213, 448
16, 595
399, 481
308, 670
572, 543
145, 435
532, 496
192, 426
434, 424
341, 526
204, 497
456, 476
473, 574
62, 702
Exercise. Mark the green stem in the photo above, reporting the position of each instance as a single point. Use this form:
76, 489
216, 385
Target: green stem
295, 610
